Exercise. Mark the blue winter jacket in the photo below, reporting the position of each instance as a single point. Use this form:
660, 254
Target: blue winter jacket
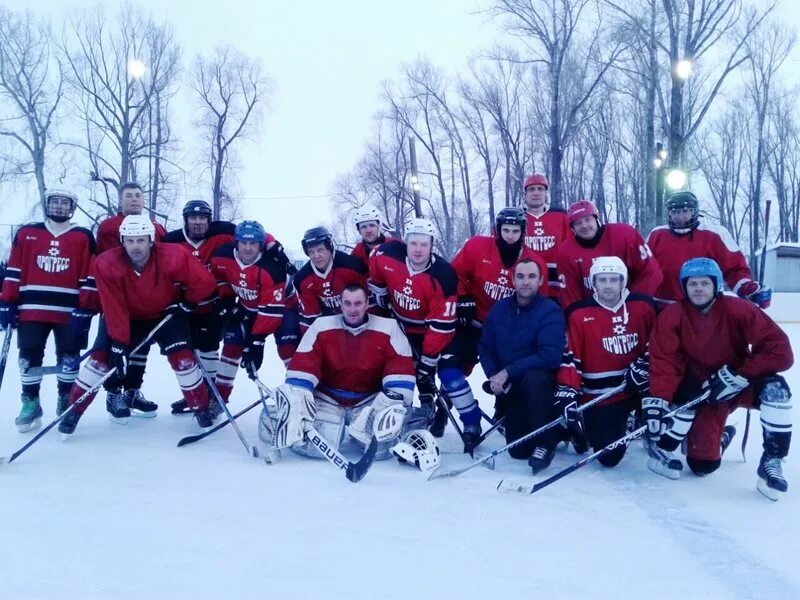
520, 338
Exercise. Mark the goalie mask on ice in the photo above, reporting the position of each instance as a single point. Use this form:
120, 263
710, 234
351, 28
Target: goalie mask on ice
296, 406
418, 447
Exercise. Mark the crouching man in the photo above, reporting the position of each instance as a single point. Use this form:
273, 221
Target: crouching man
352, 373
730, 348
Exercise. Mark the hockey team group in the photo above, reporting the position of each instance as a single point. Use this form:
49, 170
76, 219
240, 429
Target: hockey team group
587, 333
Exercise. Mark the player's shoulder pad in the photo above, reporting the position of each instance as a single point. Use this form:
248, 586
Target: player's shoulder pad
639, 297
272, 268
225, 251
302, 273
394, 249
348, 261
173, 237
221, 228
89, 235
581, 304
557, 209
444, 274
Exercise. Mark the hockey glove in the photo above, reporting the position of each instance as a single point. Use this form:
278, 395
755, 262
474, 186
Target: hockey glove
466, 310
759, 295
278, 255
637, 377
380, 294
426, 378
119, 358
566, 402
724, 385
9, 315
81, 323
253, 354
182, 308
653, 411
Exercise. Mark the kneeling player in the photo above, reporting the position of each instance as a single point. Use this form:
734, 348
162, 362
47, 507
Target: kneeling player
137, 285
729, 347
607, 345
351, 369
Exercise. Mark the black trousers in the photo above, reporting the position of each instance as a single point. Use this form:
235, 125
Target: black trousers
528, 406
206, 329
605, 424
31, 341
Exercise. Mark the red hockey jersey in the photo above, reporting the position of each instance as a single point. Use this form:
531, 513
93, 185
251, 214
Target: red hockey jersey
362, 252
108, 233
320, 294
544, 235
260, 287
734, 332
424, 302
616, 239
170, 274
219, 234
481, 272
348, 364
672, 250
46, 272
602, 343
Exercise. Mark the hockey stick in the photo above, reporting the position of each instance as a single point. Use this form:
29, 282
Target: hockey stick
82, 399
443, 405
55, 369
4, 351
190, 439
354, 471
555, 422
273, 454
509, 487
251, 450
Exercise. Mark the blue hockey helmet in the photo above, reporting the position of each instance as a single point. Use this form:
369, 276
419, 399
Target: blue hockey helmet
701, 267
250, 231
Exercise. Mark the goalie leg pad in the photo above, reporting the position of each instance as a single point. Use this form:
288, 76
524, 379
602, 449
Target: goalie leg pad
294, 406
329, 421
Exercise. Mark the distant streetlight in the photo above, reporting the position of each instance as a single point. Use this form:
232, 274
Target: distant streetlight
676, 179
658, 162
683, 69
414, 183
136, 69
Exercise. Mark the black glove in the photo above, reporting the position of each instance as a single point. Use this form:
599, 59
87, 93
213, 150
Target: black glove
81, 323
653, 411
426, 378
226, 309
253, 354
566, 402
183, 307
637, 377
466, 310
724, 385
278, 254
119, 358
9, 315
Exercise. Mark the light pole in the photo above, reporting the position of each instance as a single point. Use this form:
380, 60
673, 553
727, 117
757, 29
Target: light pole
659, 161
136, 71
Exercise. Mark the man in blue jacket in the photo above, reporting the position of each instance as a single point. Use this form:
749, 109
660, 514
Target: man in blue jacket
520, 349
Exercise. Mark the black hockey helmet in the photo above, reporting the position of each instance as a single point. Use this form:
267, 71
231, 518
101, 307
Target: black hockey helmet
510, 215
679, 201
316, 236
197, 207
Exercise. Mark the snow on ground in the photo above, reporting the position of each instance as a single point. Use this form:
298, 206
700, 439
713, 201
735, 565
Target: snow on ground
120, 512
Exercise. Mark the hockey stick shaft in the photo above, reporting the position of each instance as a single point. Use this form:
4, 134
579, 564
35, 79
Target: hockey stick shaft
625, 440
5, 350
190, 439
55, 369
525, 438
82, 398
251, 450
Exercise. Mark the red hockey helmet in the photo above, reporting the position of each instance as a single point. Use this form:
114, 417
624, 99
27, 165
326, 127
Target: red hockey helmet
581, 209
536, 179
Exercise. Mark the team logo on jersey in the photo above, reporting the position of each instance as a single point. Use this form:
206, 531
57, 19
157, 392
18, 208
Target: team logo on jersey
243, 291
404, 301
621, 342
540, 242
53, 262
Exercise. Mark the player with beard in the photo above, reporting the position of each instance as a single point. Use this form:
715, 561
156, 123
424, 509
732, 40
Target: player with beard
368, 223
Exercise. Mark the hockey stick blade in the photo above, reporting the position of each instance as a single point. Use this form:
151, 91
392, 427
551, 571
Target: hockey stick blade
190, 439
356, 471
509, 486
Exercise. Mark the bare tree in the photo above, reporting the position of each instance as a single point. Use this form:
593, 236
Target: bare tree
783, 164
231, 90
116, 72
31, 83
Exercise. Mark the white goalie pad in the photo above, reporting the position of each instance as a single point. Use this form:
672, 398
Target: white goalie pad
296, 406
382, 418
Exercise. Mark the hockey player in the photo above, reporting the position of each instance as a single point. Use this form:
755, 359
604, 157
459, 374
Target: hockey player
49, 263
353, 369
319, 283
368, 223
131, 202
591, 240
685, 237
547, 228
607, 339
251, 286
137, 285
521, 345
421, 288
730, 348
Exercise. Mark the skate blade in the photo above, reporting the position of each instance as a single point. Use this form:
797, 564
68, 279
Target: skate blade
35, 424
510, 486
144, 415
768, 492
118, 420
65, 437
272, 456
659, 469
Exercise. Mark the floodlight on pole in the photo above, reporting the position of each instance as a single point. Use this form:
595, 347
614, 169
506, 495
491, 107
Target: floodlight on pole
136, 68
658, 162
676, 179
683, 68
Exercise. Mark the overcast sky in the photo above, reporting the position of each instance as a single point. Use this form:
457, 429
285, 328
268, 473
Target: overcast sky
327, 59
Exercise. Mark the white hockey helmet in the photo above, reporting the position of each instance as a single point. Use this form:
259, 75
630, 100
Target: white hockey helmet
609, 264
367, 213
137, 225
417, 447
59, 216
422, 227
